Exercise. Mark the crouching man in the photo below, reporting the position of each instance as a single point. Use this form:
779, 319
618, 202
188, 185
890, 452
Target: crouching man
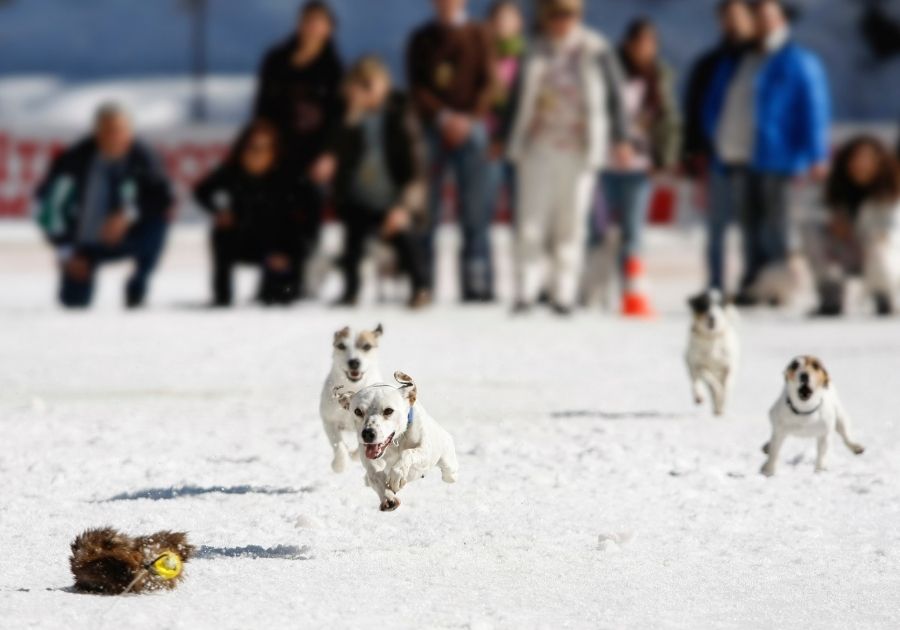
105, 199
379, 187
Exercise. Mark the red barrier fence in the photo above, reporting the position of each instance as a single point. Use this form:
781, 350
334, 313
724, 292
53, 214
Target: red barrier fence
24, 160
188, 154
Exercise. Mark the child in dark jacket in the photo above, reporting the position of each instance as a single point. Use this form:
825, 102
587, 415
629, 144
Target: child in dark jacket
378, 186
262, 216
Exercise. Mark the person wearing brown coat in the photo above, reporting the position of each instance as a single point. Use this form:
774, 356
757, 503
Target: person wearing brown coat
450, 72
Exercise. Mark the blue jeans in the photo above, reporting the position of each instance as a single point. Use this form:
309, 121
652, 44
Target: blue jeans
144, 242
627, 197
759, 201
470, 165
501, 177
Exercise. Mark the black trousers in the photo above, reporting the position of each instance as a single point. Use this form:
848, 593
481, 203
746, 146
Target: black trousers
760, 200
362, 223
231, 247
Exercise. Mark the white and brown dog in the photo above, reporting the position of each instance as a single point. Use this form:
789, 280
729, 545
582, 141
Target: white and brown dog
354, 364
401, 441
713, 348
808, 407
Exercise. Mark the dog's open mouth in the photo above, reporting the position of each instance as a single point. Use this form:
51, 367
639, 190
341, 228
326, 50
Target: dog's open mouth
374, 451
804, 392
354, 375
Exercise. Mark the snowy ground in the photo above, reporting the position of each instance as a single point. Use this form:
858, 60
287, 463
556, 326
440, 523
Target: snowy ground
592, 493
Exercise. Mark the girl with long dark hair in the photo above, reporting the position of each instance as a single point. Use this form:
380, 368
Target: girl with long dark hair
862, 196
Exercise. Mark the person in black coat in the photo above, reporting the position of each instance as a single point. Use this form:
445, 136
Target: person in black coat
106, 198
261, 216
737, 27
378, 188
299, 92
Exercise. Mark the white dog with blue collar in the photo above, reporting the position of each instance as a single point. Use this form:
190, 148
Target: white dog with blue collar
399, 440
808, 407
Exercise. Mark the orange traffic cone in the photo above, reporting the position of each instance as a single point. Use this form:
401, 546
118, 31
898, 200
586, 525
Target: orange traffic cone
635, 302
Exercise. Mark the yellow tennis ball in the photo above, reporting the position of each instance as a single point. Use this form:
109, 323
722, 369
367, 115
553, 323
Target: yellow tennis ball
167, 565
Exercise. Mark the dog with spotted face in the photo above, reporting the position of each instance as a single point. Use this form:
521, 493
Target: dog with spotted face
808, 407
354, 364
400, 440
713, 348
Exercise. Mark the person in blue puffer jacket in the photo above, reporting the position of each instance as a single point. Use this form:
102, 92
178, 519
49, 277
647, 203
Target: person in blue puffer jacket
767, 116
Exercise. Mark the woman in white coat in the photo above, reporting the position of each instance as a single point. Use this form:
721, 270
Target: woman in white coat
568, 113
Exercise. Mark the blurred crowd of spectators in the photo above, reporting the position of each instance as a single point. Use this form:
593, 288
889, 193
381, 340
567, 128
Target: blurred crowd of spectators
566, 129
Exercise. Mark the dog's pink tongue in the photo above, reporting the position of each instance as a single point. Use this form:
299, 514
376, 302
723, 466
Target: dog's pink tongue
372, 450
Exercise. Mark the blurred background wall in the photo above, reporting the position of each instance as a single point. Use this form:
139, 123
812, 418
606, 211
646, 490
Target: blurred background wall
60, 58
52, 51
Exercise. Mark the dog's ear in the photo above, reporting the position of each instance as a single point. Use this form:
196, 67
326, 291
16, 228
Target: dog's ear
342, 396
379, 330
819, 367
407, 386
342, 334
699, 303
792, 367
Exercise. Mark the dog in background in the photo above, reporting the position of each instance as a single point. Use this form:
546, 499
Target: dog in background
401, 441
808, 407
354, 364
713, 348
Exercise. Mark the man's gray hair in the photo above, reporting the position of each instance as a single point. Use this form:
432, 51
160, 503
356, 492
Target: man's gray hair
110, 109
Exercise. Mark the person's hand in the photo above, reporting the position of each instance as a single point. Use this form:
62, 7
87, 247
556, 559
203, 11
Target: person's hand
279, 263
224, 220
623, 155
396, 221
114, 229
323, 169
77, 268
455, 129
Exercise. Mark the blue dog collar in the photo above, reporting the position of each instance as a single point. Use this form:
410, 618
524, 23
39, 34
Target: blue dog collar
409, 417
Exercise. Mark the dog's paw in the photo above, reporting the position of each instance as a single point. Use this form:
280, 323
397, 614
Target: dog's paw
698, 399
821, 469
389, 505
340, 461
341, 458
858, 449
396, 478
449, 476
767, 470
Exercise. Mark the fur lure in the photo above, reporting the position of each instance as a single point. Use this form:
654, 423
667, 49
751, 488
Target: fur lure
107, 562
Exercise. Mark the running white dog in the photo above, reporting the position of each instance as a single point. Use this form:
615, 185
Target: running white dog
354, 364
808, 407
713, 348
401, 440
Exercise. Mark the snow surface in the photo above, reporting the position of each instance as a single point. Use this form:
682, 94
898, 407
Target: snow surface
592, 493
